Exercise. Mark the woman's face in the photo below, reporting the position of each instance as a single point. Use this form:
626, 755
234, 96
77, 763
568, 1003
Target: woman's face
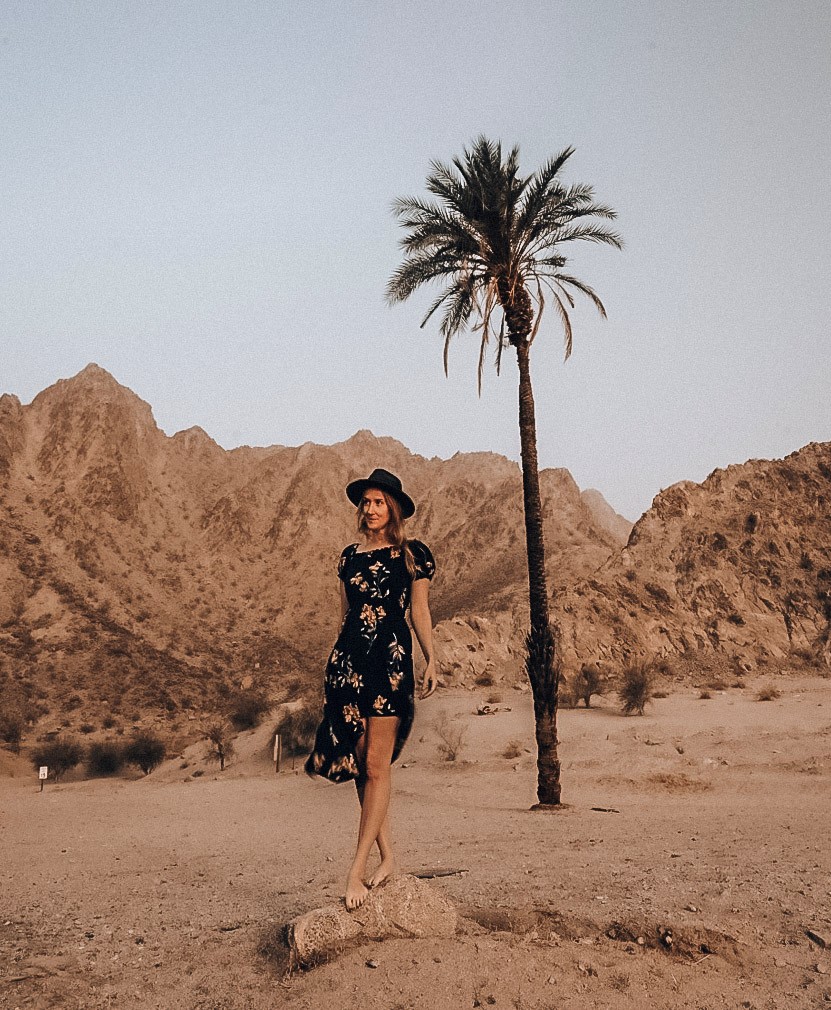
375, 509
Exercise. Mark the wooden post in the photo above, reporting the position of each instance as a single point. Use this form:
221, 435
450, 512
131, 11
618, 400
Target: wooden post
278, 752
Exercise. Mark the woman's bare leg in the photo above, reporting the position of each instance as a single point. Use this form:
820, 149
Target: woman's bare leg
378, 743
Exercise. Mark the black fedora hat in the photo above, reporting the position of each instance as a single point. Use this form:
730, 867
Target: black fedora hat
384, 481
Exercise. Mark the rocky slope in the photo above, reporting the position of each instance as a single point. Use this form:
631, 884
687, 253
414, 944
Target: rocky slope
141, 572
732, 572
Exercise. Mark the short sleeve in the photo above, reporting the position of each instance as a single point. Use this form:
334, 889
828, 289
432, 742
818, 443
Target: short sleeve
344, 555
425, 566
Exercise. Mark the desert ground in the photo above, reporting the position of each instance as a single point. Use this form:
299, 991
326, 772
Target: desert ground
170, 891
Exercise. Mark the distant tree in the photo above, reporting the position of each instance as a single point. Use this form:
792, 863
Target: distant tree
220, 744
494, 239
146, 751
60, 755
105, 757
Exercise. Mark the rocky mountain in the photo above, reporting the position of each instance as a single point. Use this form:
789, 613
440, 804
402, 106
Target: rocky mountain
734, 572
141, 572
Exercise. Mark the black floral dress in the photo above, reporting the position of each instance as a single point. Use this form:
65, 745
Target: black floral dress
370, 670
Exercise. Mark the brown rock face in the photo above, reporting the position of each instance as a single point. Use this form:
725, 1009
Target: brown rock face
737, 568
145, 573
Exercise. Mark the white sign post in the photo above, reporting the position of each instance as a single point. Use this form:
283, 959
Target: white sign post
42, 775
278, 752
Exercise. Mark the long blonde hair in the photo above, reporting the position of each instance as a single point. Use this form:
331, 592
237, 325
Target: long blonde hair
395, 528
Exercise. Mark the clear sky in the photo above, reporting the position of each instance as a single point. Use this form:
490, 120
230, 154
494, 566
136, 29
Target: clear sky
197, 197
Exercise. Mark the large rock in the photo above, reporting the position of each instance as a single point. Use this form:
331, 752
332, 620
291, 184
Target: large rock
401, 907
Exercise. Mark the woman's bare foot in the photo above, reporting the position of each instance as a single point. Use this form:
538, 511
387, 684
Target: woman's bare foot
385, 870
356, 892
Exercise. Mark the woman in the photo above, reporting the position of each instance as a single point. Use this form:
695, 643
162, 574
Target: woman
369, 685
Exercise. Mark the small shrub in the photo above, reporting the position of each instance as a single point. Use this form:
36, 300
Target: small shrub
12, 725
452, 736
146, 751
768, 693
589, 681
87, 727
220, 744
494, 698
105, 757
297, 728
59, 755
704, 696
247, 709
513, 750
108, 722
567, 696
637, 687
484, 679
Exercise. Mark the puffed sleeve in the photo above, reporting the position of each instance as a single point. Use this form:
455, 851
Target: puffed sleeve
425, 566
344, 554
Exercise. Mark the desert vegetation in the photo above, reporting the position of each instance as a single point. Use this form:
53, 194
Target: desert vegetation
637, 687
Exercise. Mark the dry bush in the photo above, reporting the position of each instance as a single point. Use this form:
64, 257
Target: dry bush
247, 708
567, 696
637, 687
589, 681
60, 755
105, 757
146, 751
704, 696
513, 750
297, 727
485, 679
220, 744
452, 736
768, 693
12, 725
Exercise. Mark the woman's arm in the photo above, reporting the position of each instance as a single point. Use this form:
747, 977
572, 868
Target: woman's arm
423, 627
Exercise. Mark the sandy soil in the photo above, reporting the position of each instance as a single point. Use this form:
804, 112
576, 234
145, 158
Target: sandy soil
169, 891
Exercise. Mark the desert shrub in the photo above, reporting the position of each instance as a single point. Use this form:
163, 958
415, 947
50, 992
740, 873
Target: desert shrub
220, 744
704, 696
512, 750
109, 721
768, 693
86, 728
567, 696
452, 736
105, 757
494, 698
297, 728
146, 751
589, 681
12, 724
59, 755
247, 708
484, 679
637, 687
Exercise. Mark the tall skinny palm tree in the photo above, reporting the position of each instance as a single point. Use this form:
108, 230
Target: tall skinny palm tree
493, 239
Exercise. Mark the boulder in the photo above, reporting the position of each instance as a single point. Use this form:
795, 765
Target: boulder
402, 906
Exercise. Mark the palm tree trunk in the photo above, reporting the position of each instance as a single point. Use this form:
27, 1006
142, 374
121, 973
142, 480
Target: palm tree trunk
541, 664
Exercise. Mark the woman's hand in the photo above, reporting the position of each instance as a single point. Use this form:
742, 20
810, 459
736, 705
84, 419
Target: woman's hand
429, 679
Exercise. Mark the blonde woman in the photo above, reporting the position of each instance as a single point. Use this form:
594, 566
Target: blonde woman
369, 684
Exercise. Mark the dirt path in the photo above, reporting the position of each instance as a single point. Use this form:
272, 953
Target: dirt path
160, 892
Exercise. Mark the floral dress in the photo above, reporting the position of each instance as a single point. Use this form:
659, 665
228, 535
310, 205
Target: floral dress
370, 670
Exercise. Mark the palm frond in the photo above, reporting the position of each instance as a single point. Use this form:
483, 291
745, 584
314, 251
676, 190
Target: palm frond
493, 239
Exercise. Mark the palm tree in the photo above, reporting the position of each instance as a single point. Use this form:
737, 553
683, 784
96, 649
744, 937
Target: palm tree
494, 239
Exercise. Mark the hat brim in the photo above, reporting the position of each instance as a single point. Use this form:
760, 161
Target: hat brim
355, 491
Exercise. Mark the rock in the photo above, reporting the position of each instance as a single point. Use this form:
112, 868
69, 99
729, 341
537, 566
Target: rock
817, 938
401, 907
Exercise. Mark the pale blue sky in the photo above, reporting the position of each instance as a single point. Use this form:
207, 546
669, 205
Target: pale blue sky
197, 197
